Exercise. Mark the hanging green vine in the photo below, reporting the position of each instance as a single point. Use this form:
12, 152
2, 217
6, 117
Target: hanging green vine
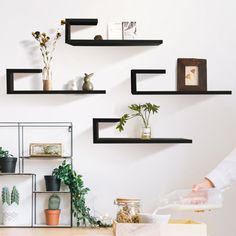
74, 181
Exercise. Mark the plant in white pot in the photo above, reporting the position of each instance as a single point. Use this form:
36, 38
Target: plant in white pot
143, 111
10, 206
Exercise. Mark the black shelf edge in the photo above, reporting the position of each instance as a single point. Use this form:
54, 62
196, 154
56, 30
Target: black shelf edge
213, 92
97, 139
80, 21
16, 226
58, 92
135, 42
42, 192
142, 141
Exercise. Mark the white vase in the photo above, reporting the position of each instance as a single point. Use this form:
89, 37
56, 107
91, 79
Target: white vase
146, 133
10, 214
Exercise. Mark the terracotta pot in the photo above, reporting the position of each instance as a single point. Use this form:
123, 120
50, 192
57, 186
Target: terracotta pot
52, 216
47, 84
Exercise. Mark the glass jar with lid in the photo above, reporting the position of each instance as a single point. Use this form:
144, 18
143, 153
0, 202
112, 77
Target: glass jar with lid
128, 210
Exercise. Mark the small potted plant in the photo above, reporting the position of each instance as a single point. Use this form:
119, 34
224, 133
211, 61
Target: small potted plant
53, 212
7, 161
143, 111
52, 183
10, 206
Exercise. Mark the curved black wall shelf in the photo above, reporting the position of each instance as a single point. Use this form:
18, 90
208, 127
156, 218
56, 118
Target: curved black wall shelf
134, 90
10, 85
91, 42
97, 139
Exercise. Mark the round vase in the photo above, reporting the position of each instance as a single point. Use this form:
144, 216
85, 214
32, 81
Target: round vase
47, 79
146, 133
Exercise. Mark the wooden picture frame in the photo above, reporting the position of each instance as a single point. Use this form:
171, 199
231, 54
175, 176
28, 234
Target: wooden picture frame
45, 150
191, 74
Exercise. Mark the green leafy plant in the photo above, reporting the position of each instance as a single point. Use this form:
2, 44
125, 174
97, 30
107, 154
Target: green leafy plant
4, 153
10, 199
78, 192
139, 110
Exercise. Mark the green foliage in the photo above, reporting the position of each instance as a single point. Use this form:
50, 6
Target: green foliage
15, 196
139, 110
6, 196
4, 153
54, 202
78, 192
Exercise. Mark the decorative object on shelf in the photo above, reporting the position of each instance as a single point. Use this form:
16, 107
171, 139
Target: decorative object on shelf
52, 183
10, 206
47, 48
129, 30
53, 212
191, 74
7, 162
140, 110
87, 86
74, 181
98, 37
128, 210
46, 149
114, 30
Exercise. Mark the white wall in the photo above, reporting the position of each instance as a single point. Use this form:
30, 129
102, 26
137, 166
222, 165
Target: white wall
201, 29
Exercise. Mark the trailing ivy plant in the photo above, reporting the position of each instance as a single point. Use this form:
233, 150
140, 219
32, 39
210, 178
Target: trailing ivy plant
78, 192
139, 110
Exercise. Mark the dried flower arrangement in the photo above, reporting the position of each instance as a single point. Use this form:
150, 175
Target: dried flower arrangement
47, 47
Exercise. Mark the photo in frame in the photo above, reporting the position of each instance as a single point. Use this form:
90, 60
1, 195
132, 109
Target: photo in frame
191, 74
45, 149
129, 30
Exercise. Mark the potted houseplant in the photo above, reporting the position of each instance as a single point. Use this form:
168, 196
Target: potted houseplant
53, 212
52, 183
143, 111
10, 206
7, 161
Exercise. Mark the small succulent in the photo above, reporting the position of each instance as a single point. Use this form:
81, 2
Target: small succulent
6, 196
4, 153
15, 196
54, 202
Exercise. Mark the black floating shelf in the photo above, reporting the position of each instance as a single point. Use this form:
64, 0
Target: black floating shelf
216, 92
10, 85
57, 92
137, 140
97, 139
89, 42
161, 71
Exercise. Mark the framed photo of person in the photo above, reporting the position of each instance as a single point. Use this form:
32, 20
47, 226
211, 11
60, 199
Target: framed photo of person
191, 74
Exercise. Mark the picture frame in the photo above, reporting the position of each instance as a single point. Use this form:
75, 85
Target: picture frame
115, 31
129, 30
191, 74
45, 150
